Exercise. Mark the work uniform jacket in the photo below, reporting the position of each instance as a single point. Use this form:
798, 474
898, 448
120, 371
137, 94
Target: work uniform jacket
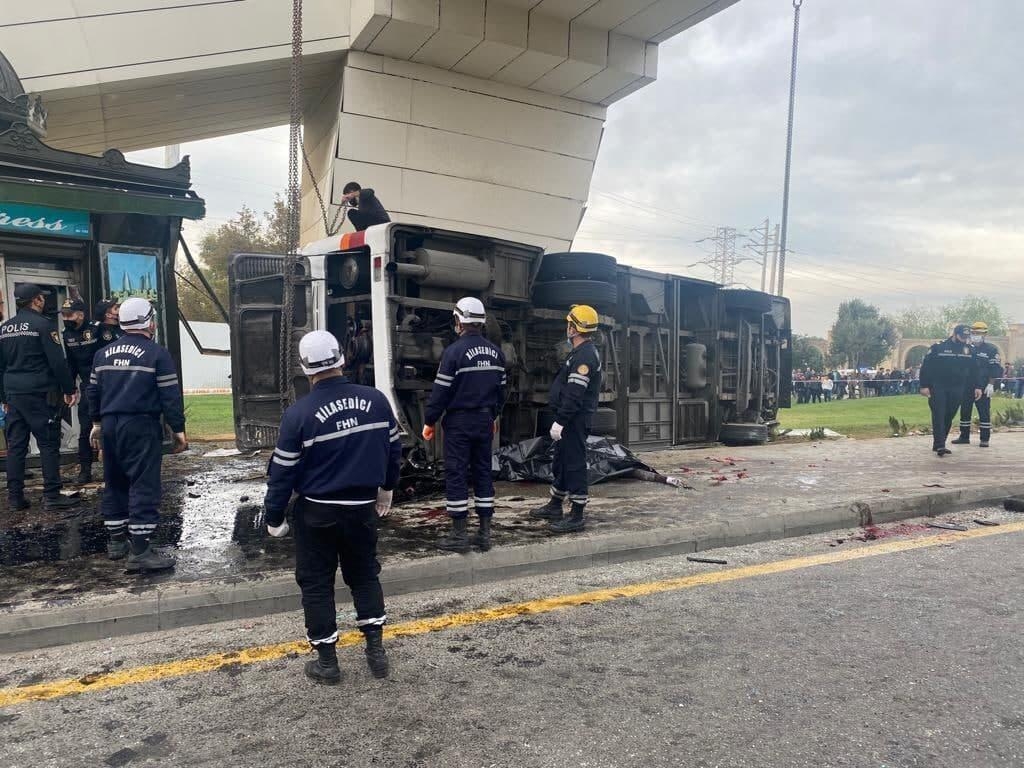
578, 384
32, 356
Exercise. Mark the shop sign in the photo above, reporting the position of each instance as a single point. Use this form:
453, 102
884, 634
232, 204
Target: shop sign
40, 220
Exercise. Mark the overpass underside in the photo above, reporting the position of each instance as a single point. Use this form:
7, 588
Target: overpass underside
483, 115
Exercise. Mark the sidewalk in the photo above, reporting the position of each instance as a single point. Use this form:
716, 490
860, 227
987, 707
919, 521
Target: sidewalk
229, 568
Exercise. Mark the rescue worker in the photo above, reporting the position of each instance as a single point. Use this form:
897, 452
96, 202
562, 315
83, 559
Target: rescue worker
987, 369
34, 382
339, 449
573, 399
470, 391
105, 324
947, 370
365, 208
80, 344
133, 383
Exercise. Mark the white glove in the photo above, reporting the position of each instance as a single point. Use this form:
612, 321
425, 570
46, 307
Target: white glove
556, 431
280, 531
384, 502
96, 437
989, 390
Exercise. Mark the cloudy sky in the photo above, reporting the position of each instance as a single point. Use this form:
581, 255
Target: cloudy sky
908, 169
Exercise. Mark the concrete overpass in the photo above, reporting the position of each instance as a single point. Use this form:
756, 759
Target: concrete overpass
480, 114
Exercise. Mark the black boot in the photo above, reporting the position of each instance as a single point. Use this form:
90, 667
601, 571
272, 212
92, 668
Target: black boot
61, 504
117, 546
145, 559
482, 540
18, 503
570, 524
550, 511
324, 668
375, 656
457, 539
84, 474
964, 439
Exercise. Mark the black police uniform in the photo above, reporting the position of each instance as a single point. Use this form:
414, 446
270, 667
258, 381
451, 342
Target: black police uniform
81, 344
133, 383
470, 391
106, 333
573, 399
336, 447
33, 377
987, 370
946, 371
369, 212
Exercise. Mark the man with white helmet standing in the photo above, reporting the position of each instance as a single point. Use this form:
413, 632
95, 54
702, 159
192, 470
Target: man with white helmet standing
573, 398
340, 450
133, 383
470, 391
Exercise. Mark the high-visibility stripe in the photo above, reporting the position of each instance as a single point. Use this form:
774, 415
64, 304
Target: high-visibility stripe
345, 432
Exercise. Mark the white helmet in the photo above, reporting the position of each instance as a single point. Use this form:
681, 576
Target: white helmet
136, 314
470, 310
319, 351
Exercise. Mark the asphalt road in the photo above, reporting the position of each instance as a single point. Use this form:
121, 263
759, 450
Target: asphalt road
905, 658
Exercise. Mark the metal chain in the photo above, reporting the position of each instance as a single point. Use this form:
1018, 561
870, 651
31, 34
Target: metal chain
789, 145
330, 227
294, 201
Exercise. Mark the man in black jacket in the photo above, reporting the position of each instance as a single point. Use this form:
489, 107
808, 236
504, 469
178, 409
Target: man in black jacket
80, 344
987, 369
946, 372
34, 378
366, 210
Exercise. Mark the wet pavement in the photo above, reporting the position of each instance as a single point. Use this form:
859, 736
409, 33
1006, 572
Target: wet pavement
211, 513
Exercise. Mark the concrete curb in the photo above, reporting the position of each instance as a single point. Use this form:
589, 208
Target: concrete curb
205, 602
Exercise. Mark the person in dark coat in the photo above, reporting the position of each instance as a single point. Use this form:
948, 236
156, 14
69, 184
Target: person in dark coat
946, 372
365, 209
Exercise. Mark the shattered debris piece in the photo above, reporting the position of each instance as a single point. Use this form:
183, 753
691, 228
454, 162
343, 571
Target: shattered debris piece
711, 560
224, 452
979, 521
947, 526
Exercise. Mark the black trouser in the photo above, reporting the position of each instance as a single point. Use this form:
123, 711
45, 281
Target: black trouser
468, 436
33, 415
362, 219
132, 456
326, 536
85, 455
984, 404
944, 404
569, 469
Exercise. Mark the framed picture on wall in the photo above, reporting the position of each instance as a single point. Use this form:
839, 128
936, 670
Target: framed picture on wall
129, 271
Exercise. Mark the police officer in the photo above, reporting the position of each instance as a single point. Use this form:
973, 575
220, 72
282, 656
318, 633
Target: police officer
133, 383
105, 324
573, 399
33, 378
470, 391
946, 372
339, 449
987, 369
80, 343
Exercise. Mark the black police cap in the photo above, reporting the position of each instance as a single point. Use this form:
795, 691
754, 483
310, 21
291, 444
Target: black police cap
28, 291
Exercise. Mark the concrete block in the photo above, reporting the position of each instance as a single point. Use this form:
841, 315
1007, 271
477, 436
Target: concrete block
460, 29
367, 19
385, 180
377, 95
505, 38
372, 140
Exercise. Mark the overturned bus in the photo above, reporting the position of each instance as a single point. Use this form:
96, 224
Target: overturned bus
685, 361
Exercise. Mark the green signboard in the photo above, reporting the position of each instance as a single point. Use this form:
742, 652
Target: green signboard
41, 220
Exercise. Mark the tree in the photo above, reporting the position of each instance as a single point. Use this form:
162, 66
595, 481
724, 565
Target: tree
862, 336
921, 323
245, 233
973, 309
806, 355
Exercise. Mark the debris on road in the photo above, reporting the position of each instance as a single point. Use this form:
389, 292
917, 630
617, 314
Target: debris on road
711, 560
979, 521
1014, 504
948, 526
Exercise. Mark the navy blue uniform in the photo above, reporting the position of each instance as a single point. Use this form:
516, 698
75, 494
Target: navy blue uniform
336, 447
987, 370
133, 383
947, 371
33, 376
80, 345
106, 333
470, 391
573, 399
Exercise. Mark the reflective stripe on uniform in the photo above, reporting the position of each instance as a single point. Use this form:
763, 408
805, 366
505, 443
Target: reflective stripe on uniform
476, 368
129, 368
344, 432
372, 622
341, 502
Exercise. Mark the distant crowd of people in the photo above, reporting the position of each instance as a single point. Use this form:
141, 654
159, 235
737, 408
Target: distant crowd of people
810, 386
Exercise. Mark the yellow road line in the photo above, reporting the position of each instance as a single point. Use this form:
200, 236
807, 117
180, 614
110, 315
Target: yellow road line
183, 667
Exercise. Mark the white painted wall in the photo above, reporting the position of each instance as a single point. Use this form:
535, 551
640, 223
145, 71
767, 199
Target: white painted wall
205, 372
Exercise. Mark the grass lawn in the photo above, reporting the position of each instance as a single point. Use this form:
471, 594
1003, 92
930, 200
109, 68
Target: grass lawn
209, 417
868, 417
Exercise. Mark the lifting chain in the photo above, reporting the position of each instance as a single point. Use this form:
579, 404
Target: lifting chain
331, 226
291, 259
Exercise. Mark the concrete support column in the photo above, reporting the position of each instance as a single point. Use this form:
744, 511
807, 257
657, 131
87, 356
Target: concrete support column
456, 150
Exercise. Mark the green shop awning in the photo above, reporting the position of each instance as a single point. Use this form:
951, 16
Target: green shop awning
100, 199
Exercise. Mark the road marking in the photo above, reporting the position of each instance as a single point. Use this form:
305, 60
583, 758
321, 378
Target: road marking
184, 667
